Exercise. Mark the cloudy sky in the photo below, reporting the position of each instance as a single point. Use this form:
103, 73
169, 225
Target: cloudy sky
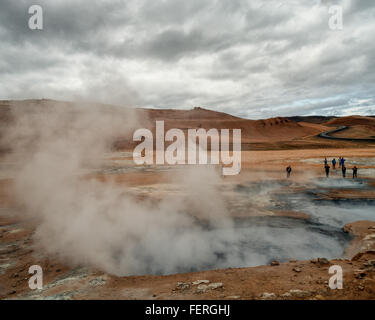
251, 58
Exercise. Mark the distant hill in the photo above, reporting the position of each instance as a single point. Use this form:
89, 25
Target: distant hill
352, 120
265, 134
312, 119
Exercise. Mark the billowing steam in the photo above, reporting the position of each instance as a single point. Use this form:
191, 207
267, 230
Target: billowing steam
85, 221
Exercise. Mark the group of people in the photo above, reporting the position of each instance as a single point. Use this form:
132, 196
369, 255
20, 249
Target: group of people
341, 163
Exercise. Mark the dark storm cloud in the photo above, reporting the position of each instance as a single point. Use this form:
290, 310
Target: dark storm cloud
250, 58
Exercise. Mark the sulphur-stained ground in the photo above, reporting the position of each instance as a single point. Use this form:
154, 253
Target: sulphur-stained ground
301, 279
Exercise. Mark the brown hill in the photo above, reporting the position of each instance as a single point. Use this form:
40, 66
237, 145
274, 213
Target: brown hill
352, 121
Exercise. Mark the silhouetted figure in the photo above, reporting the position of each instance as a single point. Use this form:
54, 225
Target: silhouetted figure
288, 171
343, 169
334, 164
342, 161
355, 172
325, 162
339, 162
327, 167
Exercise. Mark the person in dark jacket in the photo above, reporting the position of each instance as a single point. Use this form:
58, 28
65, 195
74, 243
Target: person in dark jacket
343, 169
355, 172
327, 167
334, 164
288, 171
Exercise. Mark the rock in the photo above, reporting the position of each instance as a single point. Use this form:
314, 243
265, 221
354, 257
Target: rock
97, 282
58, 270
299, 293
182, 286
371, 227
323, 261
292, 260
267, 295
198, 282
286, 295
314, 261
319, 297
296, 269
215, 285
361, 288
275, 263
370, 263
233, 297
359, 274
369, 237
202, 288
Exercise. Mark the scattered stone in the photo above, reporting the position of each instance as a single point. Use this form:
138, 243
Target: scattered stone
359, 274
267, 295
369, 237
97, 282
361, 288
183, 286
323, 261
13, 292
286, 295
319, 297
314, 261
369, 263
299, 293
296, 269
198, 282
275, 263
15, 275
215, 285
202, 288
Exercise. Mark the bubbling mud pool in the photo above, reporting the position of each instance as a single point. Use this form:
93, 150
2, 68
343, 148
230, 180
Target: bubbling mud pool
260, 240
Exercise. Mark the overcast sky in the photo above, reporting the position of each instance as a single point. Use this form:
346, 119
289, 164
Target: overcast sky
254, 59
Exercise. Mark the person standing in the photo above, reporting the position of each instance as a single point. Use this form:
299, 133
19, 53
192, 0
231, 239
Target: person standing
288, 171
355, 171
327, 167
340, 162
343, 171
334, 164
325, 161
343, 162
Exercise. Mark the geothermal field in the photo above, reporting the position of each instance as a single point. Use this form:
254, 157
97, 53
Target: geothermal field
74, 202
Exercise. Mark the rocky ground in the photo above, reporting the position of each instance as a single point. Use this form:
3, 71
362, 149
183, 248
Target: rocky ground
281, 281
